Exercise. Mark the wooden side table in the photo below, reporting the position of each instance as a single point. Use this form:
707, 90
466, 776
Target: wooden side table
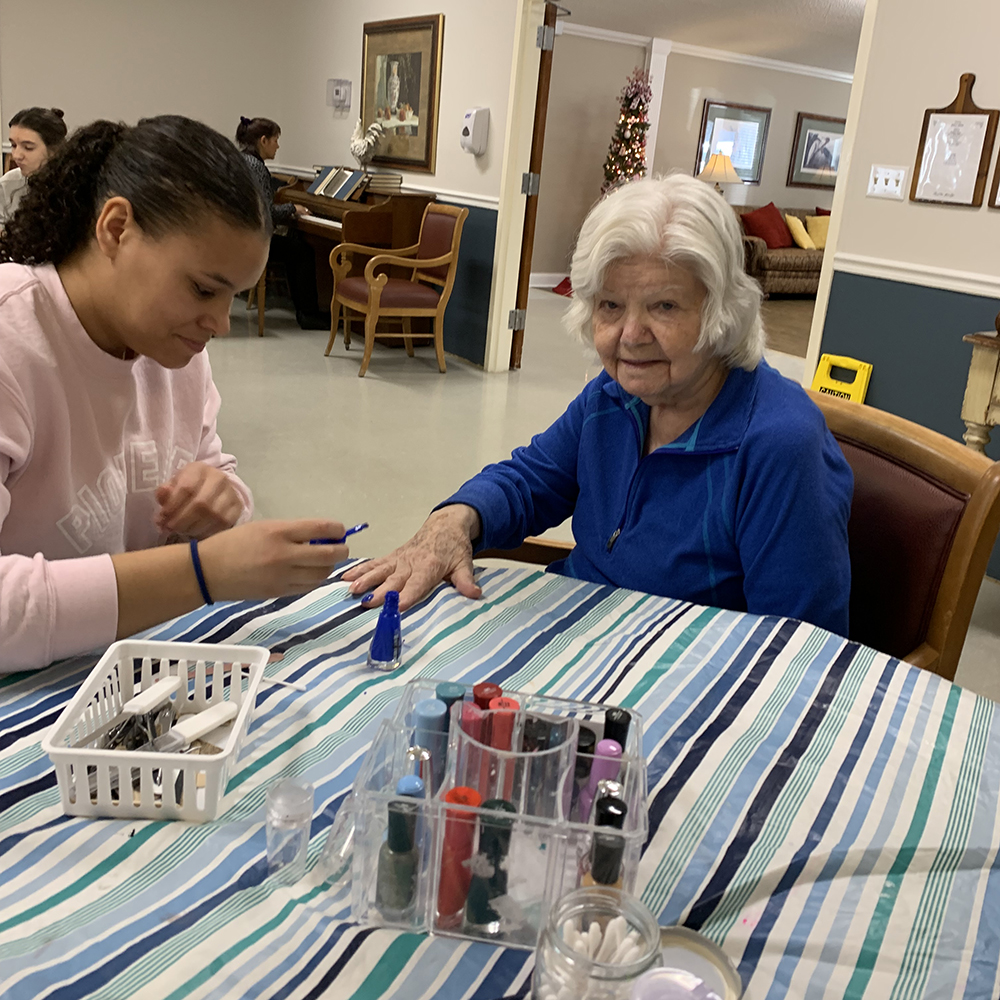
981, 406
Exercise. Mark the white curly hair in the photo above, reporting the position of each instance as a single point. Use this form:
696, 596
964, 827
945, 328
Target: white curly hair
684, 222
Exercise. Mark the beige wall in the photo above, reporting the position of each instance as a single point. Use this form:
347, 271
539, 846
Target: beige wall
220, 59
123, 59
690, 81
915, 61
475, 72
587, 75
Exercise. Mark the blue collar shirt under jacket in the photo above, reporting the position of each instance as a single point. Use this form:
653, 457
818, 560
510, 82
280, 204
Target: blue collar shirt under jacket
746, 510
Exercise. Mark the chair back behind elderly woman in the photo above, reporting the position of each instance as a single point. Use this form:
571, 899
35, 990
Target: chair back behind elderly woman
925, 515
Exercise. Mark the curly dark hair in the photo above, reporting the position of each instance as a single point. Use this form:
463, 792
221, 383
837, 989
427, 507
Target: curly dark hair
251, 130
171, 169
47, 122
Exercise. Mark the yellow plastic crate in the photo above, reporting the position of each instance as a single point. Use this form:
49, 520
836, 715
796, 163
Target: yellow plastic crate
823, 380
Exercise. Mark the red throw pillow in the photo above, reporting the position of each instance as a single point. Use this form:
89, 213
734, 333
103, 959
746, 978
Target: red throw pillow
822, 211
770, 226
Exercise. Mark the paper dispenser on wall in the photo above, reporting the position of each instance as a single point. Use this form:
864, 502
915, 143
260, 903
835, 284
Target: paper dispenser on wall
475, 130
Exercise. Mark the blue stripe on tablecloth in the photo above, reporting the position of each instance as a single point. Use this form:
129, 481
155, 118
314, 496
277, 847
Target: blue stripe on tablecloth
840, 853
13, 796
31, 721
25, 833
762, 804
760, 933
758, 650
319, 990
891, 795
161, 932
977, 866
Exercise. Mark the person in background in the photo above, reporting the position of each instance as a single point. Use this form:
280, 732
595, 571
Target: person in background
690, 467
258, 139
35, 134
116, 272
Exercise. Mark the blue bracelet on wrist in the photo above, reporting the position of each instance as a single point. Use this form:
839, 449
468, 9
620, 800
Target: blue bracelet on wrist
196, 561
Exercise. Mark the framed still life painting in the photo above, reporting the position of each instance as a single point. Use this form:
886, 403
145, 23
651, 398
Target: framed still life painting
739, 131
400, 88
815, 151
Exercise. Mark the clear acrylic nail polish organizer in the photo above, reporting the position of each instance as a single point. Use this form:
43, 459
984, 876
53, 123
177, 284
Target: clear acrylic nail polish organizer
454, 867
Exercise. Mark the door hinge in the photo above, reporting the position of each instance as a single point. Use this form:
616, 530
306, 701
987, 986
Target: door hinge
530, 183
515, 321
546, 37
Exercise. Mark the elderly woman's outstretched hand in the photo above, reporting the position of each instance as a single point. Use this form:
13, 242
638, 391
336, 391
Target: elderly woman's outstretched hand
440, 550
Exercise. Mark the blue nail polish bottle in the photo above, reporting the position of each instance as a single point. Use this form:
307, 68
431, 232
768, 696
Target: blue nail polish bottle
387, 643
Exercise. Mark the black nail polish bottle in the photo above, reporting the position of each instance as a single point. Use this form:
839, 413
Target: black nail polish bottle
489, 878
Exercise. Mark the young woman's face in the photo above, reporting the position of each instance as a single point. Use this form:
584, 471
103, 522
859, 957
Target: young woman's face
269, 147
27, 149
173, 294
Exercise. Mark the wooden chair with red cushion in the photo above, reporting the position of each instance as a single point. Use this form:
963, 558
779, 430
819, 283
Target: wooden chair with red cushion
432, 261
924, 518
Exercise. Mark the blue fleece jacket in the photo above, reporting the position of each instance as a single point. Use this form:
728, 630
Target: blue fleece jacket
746, 510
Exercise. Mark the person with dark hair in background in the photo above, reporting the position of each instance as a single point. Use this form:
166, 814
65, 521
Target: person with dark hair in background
35, 134
118, 269
258, 141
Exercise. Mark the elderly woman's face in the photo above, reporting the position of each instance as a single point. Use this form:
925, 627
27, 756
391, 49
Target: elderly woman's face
647, 321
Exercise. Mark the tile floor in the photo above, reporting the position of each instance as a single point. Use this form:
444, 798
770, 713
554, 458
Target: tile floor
315, 440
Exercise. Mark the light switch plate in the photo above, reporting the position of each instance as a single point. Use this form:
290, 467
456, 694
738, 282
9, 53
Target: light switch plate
887, 182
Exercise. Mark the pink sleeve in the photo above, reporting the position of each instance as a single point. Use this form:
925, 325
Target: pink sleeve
210, 451
48, 609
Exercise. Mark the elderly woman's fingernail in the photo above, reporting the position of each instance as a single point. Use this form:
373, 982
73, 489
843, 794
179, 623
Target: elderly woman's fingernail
367, 598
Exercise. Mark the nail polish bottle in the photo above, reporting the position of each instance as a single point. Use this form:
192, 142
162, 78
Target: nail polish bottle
606, 861
610, 811
430, 730
586, 744
616, 726
607, 763
484, 692
459, 833
411, 786
449, 692
489, 875
387, 643
398, 861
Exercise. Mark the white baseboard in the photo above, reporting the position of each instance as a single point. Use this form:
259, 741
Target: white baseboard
545, 279
967, 282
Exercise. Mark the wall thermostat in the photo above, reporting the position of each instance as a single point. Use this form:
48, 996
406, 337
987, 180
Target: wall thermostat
475, 130
338, 94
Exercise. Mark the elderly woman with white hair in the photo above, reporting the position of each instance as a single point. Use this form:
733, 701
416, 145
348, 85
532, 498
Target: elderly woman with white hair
691, 468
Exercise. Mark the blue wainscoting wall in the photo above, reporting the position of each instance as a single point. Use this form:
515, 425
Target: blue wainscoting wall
912, 335
467, 317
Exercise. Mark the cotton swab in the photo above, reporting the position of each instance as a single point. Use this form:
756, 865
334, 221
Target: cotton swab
294, 685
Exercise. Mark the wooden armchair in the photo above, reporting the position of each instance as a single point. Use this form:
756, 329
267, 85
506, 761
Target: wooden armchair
924, 518
431, 261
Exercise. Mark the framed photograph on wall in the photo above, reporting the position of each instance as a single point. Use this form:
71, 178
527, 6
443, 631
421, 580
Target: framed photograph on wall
816, 151
739, 131
400, 87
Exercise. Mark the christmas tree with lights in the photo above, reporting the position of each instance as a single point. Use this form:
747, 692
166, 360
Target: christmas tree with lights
627, 153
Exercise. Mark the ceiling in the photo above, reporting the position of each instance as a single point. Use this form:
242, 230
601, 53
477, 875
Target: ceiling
815, 32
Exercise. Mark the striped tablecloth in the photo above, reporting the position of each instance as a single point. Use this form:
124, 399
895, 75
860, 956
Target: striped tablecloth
828, 815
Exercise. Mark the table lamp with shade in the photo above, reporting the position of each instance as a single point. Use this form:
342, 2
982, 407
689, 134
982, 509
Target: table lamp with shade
720, 169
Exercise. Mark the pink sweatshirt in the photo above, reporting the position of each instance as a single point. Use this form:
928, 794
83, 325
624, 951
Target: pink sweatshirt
85, 439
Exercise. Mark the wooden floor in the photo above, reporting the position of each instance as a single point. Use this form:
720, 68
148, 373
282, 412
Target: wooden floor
786, 323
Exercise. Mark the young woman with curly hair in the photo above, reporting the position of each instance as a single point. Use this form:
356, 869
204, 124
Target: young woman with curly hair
118, 271
35, 134
258, 141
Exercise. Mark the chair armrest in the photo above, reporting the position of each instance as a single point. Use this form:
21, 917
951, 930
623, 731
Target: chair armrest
924, 656
383, 259
540, 551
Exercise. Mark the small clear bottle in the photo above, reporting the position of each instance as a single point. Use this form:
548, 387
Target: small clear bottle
288, 815
562, 970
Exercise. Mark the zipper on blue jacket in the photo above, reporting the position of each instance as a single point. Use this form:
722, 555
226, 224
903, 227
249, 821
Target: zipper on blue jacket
640, 436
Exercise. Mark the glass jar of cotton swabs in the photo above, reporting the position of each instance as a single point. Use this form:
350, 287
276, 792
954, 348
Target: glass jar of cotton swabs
596, 943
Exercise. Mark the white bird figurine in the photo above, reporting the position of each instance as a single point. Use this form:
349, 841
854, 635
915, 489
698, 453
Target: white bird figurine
363, 142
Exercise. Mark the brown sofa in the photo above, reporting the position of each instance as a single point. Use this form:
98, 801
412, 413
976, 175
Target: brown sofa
790, 270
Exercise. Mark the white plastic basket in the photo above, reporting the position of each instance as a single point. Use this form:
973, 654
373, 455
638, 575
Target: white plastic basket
131, 785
